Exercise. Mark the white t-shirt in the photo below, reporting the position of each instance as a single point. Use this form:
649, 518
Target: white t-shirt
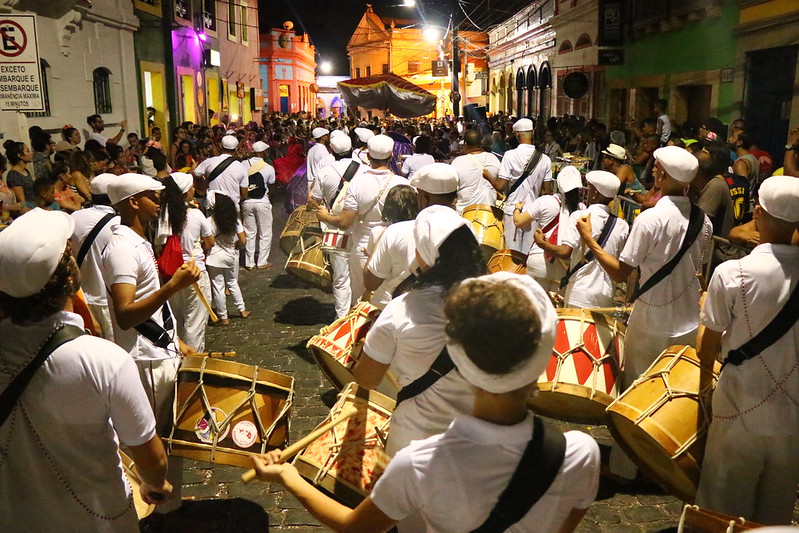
91, 277
414, 162
409, 335
361, 155
99, 137
473, 188
454, 479
318, 158
544, 210
666, 131
743, 297
128, 258
60, 442
513, 164
362, 198
391, 259
230, 181
327, 182
224, 253
591, 286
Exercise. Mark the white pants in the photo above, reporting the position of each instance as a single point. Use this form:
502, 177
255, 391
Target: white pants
158, 378
643, 343
342, 293
220, 279
256, 216
753, 476
516, 239
547, 274
102, 315
357, 262
191, 316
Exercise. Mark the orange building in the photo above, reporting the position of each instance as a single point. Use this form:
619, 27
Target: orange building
382, 44
287, 68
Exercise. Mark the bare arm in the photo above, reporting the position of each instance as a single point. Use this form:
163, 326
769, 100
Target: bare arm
500, 184
573, 520
617, 270
745, 234
561, 251
368, 373
19, 193
370, 281
547, 187
341, 221
123, 125
741, 167
522, 220
790, 163
151, 462
207, 243
242, 240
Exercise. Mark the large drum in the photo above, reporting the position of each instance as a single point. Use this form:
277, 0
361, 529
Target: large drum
348, 460
143, 509
697, 520
307, 261
508, 261
225, 411
300, 218
487, 227
583, 377
337, 347
660, 420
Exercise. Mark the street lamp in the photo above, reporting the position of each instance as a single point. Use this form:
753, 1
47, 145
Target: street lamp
409, 3
325, 67
431, 34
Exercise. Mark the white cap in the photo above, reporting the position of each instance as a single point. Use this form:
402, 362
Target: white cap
677, 162
364, 134
523, 124
129, 184
380, 146
531, 370
436, 178
616, 152
229, 142
569, 178
432, 227
259, 146
183, 181
340, 144
318, 133
30, 249
101, 182
230, 132
337, 133
779, 197
606, 183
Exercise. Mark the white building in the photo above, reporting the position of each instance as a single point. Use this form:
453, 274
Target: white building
520, 53
329, 102
88, 65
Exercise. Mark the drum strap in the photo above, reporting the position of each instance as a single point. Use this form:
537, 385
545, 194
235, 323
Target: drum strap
607, 229
12, 393
537, 469
220, 168
695, 224
774, 331
404, 285
91, 237
158, 335
440, 368
531, 164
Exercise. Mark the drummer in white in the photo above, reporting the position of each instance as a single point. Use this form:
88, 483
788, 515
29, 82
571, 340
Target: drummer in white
256, 210
475, 168
536, 182
359, 140
751, 464
318, 157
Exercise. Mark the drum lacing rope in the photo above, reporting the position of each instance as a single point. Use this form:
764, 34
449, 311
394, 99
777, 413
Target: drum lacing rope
267, 435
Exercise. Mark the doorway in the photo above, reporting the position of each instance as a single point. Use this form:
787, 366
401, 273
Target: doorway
693, 103
187, 98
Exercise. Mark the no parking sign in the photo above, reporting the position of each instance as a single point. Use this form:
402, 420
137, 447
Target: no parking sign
20, 69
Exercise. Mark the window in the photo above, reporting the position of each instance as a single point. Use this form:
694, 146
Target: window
357, 72
231, 18
413, 67
583, 41
102, 90
369, 71
385, 68
565, 47
244, 23
209, 15
45, 94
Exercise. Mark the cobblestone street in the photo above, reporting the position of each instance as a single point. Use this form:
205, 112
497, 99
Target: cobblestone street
284, 315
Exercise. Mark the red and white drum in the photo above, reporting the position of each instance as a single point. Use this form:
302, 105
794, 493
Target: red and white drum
336, 241
584, 373
349, 459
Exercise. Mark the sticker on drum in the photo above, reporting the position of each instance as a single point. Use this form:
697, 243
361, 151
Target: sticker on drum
244, 434
204, 429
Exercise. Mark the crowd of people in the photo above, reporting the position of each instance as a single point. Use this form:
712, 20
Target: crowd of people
151, 240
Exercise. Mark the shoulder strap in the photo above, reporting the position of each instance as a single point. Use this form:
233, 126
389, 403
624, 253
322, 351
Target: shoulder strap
774, 331
607, 229
531, 164
155, 333
555, 221
537, 469
12, 393
348, 174
90, 238
440, 368
220, 168
695, 224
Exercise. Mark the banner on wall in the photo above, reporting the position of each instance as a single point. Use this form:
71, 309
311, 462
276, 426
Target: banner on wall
611, 23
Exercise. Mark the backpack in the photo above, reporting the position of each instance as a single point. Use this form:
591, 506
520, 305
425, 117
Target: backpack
171, 258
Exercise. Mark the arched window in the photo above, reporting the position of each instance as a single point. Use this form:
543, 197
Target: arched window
544, 86
583, 41
102, 90
520, 79
565, 47
532, 80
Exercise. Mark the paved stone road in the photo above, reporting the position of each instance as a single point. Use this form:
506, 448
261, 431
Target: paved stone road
284, 315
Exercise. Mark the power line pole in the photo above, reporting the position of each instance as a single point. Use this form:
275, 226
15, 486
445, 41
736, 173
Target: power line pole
455, 95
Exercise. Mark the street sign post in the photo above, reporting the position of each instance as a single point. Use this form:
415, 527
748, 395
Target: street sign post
20, 69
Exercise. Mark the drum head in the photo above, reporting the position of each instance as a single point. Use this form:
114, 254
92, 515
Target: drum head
143, 509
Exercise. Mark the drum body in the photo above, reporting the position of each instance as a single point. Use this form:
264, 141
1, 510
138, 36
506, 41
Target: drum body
697, 520
487, 226
583, 376
225, 411
348, 460
300, 218
307, 261
143, 509
336, 241
508, 261
660, 420
337, 347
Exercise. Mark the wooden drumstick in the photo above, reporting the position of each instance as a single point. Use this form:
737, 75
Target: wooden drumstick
608, 309
205, 303
290, 451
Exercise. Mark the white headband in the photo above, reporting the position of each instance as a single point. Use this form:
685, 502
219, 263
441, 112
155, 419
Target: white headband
530, 370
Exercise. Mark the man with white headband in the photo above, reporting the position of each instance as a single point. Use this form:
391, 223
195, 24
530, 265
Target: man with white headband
670, 243
500, 330
256, 210
359, 138
319, 156
224, 172
750, 312
60, 432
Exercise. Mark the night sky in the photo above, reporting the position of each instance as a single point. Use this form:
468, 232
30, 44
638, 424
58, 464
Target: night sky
330, 23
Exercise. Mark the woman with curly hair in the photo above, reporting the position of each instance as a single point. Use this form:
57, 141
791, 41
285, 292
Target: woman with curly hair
19, 178
409, 334
180, 219
221, 261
